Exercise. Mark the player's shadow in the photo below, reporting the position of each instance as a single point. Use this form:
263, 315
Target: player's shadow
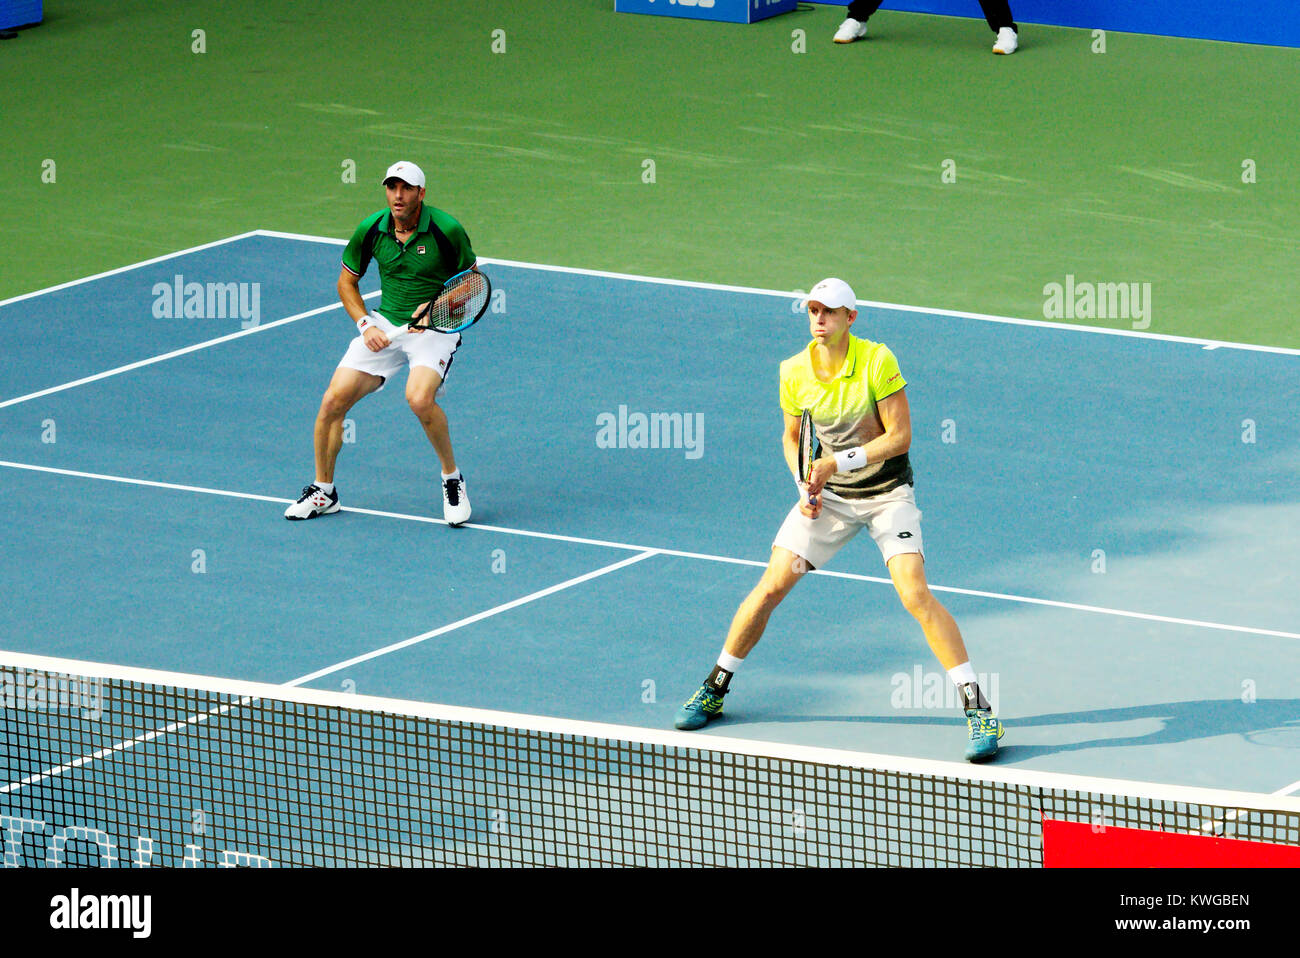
1271, 722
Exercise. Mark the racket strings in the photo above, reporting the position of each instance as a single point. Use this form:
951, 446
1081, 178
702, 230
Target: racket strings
452, 306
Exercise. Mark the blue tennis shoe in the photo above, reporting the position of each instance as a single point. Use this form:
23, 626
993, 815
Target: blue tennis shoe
704, 705
985, 730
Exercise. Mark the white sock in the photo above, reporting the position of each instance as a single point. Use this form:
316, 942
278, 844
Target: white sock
451, 475
729, 662
962, 674
325, 487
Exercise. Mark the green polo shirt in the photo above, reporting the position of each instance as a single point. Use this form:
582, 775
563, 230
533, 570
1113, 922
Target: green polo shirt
844, 412
410, 273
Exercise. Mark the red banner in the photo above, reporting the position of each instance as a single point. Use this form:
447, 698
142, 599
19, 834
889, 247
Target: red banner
1084, 845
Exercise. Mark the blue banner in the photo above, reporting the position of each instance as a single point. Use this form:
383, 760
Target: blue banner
732, 11
1275, 22
19, 13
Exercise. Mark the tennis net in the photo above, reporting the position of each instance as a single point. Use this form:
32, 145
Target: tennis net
108, 765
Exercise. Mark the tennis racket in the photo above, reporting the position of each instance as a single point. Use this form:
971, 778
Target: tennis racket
458, 306
810, 448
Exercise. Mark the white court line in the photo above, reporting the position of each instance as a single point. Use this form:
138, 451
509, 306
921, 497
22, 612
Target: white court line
122, 746
174, 353
1215, 826
125, 269
678, 553
470, 620
790, 294
925, 310
604, 274
146, 737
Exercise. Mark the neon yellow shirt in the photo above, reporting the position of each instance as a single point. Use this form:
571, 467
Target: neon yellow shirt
844, 411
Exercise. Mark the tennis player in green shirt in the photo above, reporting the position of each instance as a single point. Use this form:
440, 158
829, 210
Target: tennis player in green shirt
855, 392
417, 249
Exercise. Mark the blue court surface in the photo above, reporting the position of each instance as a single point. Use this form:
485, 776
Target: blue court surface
1110, 517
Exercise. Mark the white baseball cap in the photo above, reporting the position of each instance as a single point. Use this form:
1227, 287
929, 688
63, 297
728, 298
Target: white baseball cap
407, 172
833, 293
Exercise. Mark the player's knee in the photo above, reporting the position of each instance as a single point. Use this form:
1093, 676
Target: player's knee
916, 597
422, 404
774, 587
334, 404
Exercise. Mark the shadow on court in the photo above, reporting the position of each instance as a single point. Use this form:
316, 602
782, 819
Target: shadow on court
1271, 722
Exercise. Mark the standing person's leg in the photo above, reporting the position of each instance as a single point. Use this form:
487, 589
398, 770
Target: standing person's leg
895, 524
801, 545
998, 15
854, 26
860, 10
422, 396
784, 569
430, 355
907, 570
347, 387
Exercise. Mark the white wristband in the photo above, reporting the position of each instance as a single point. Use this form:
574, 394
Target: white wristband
851, 459
365, 322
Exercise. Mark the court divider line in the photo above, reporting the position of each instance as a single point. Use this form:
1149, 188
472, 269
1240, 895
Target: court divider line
875, 304
1208, 344
130, 266
677, 553
128, 744
176, 352
470, 620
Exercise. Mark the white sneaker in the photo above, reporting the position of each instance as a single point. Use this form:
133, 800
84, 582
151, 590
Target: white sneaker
455, 501
313, 502
850, 30
1007, 41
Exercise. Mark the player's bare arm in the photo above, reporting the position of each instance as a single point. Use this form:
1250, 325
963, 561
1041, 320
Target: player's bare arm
790, 444
349, 287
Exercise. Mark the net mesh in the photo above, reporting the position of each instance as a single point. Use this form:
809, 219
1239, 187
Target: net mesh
99, 770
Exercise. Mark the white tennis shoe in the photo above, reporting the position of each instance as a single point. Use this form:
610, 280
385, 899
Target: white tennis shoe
455, 501
1006, 42
850, 30
313, 502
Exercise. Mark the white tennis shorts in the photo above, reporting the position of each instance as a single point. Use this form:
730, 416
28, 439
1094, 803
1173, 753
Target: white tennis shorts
893, 520
429, 348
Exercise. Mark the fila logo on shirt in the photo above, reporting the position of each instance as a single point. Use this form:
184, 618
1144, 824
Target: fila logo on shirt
420, 250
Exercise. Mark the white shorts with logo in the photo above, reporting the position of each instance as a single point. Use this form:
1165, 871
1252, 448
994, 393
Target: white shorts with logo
429, 348
893, 520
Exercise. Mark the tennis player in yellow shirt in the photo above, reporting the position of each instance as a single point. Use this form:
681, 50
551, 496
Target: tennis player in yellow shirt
855, 392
